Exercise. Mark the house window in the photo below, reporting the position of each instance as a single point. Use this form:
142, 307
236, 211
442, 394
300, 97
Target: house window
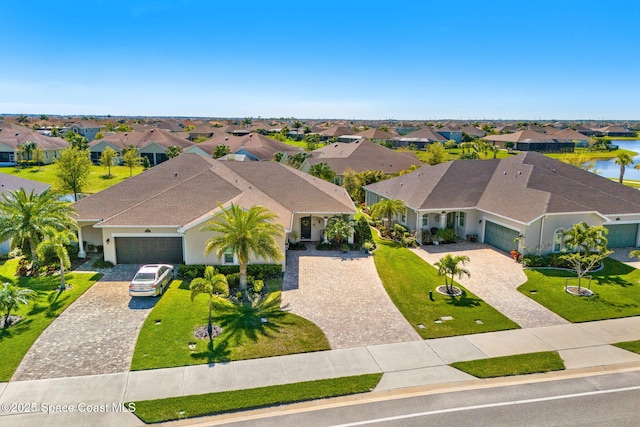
425, 220
228, 256
461, 219
437, 218
403, 218
557, 240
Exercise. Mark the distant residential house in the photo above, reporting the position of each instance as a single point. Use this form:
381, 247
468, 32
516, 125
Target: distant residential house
85, 128
419, 138
12, 136
570, 135
451, 133
376, 135
151, 143
254, 145
612, 130
336, 132
523, 201
360, 157
157, 216
528, 140
473, 131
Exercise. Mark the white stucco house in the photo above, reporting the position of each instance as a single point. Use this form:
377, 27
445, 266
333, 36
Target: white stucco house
157, 216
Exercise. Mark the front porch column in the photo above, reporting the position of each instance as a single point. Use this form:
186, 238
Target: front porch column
81, 252
324, 232
418, 227
443, 220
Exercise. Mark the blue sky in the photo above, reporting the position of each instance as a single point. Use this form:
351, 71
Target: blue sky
561, 59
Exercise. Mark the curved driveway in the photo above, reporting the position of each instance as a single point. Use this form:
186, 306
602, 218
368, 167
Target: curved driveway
94, 335
495, 278
343, 295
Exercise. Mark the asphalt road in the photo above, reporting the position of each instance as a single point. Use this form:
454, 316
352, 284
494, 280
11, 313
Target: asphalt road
605, 400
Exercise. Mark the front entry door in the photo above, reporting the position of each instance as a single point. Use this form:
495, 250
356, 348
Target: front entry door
305, 228
451, 220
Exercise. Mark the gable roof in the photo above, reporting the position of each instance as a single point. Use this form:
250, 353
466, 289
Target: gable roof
259, 146
188, 187
375, 134
426, 134
142, 139
521, 187
363, 156
525, 135
337, 131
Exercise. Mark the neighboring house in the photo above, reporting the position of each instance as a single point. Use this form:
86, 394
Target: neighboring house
376, 135
528, 140
419, 138
156, 216
9, 183
12, 136
451, 133
612, 130
361, 156
336, 132
87, 129
473, 131
570, 135
528, 197
254, 145
151, 143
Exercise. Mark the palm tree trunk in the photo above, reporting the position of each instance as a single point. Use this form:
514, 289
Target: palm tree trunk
33, 247
6, 318
62, 285
210, 324
243, 276
621, 174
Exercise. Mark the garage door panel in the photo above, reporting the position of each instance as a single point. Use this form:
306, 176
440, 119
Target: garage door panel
149, 250
500, 237
622, 235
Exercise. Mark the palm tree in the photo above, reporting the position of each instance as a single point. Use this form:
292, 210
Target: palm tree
26, 148
26, 218
339, 229
10, 299
57, 243
624, 160
388, 208
448, 266
245, 233
591, 240
323, 171
212, 284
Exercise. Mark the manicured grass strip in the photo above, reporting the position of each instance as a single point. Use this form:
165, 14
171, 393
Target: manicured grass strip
520, 364
98, 179
156, 411
633, 346
167, 334
408, 280
616, 288
16, 340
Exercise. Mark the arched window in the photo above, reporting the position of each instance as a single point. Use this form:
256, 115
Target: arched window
558, 236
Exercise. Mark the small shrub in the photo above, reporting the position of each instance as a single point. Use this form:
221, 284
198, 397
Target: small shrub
344, 247
23, 268
233, 280
409, 241
446, 235
239, 296
450, 144
362, 232
533, 260
399, 230
324, 247
258, 286
190, 272
101, 263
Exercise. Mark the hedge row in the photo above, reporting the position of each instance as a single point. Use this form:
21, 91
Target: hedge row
259, 271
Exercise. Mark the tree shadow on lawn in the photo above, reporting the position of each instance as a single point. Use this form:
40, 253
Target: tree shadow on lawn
611, 280
54, 303
245, 320
464, 301
15, 329
215, 353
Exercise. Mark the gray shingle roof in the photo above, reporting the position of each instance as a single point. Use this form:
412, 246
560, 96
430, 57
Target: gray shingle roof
189, 186
521, 187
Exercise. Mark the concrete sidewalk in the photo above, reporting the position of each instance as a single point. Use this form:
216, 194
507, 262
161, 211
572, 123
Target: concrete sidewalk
406, 364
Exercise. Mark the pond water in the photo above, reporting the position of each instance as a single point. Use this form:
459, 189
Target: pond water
609, 169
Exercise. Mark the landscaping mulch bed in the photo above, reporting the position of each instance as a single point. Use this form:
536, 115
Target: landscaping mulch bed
202, 333
12, 320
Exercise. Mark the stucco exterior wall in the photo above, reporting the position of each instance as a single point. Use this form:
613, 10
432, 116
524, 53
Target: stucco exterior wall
111, 233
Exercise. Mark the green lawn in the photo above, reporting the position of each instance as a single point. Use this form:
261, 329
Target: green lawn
454, 153
408, 280
161, 410
616, 287
98, 179
633, 346
244, 336
38, 314
594, 155
519, 364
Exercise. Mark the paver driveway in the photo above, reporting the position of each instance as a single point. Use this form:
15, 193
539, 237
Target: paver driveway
94, 335
343, 295
495, 278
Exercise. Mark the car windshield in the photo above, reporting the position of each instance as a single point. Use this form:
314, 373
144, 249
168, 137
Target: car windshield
144, 277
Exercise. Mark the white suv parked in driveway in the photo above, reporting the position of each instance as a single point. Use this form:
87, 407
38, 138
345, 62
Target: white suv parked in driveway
151, 280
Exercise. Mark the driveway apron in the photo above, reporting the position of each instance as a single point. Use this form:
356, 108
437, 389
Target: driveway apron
495, 278
94, 335
343, 295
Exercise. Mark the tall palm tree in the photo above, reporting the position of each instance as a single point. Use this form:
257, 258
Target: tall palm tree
26, 218
245, 233
57, 243
10, 299
449, 266
323, 171
582, 237
624, 160
213, 284
387, 208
